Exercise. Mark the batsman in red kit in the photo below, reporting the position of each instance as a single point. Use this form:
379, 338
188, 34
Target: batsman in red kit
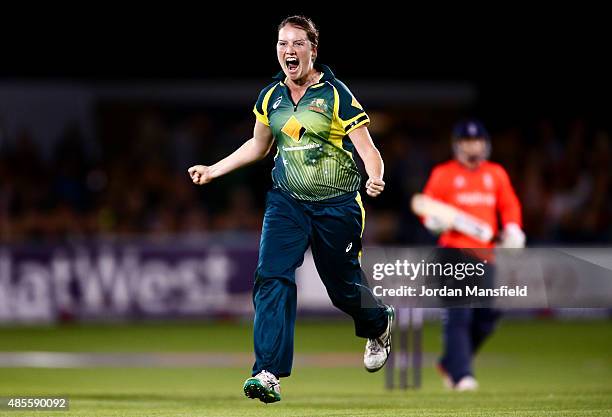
483, 190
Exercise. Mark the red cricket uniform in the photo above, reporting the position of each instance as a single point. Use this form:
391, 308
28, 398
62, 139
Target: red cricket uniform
482, 192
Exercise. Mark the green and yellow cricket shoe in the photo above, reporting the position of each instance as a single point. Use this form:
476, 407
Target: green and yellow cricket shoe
264, 386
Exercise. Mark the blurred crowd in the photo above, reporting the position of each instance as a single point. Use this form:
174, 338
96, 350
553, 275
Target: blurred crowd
132, 181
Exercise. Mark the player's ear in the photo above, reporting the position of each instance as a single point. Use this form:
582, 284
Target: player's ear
315, 51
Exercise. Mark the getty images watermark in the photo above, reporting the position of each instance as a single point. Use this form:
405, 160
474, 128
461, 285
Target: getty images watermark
502, 278
458, 271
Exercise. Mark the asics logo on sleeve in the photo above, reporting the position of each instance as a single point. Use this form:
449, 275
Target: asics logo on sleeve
277, 102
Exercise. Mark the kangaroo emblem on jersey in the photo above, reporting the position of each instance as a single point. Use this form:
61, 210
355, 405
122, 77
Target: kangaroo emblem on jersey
277, 102
318, 105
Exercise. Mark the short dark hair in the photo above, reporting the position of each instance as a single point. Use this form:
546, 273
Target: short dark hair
304, 23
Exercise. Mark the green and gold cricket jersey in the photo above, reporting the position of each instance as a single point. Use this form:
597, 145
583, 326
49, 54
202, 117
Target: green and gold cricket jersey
315, 155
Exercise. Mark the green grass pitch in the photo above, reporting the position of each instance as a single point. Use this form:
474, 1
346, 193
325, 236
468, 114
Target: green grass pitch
528, 368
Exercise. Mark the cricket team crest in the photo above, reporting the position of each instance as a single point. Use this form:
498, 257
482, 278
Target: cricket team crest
319, 105
459, 181
487, 180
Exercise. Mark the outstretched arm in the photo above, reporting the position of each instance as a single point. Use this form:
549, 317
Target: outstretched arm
372, 160
251, 151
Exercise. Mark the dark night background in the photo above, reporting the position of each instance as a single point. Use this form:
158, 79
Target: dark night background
541, 80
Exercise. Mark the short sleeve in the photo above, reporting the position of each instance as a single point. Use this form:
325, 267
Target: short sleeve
348, 110
261, 106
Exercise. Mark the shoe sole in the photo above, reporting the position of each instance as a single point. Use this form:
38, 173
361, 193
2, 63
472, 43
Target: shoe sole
392, 319
254, 390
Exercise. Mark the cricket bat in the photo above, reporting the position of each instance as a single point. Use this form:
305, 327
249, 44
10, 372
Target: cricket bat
462, 222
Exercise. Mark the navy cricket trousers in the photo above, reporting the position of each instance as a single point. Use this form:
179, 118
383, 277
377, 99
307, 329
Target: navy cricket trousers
465, 329
333, 230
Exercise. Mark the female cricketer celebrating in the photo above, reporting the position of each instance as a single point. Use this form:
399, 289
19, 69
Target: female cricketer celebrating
316, 124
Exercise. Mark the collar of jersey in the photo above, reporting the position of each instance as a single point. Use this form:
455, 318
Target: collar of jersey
327, 74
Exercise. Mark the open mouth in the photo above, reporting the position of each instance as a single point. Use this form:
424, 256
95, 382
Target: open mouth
292, 64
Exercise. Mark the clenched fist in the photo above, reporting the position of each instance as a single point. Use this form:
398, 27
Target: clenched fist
374, 187
200, 174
